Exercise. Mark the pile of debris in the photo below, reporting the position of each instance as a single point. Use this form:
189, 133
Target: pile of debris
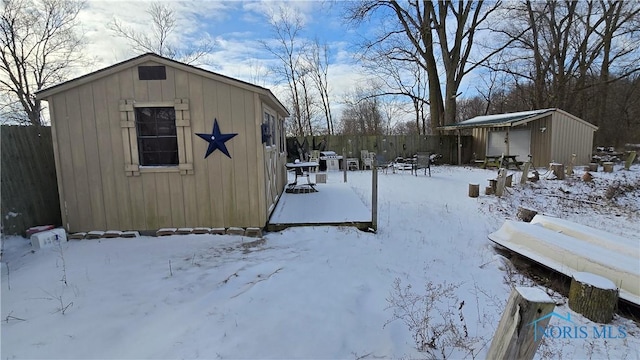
607, 154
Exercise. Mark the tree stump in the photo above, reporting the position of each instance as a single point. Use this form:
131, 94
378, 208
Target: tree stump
630, 158
502, 178
493, 183
488, 190
593, 167
607, 166
525, 214
508, 180
516, 337
474, 190
558, 170
571, 164
593, 296
587, 177
525, 172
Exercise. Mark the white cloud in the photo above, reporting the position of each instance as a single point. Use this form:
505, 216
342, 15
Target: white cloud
236, 27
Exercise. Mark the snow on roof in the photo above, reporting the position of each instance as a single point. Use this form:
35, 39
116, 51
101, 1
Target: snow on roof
500, 119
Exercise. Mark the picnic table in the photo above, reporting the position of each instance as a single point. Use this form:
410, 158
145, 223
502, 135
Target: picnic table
507, 161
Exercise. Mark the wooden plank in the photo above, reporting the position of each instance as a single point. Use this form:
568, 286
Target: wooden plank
79, 164
360, 225
213, 165
120, 196
180, 134
136, 196
94, 167
502, 177
178, 201
69, 205
261, 163
242, 169
374, 197
150, 194
163, 198
58, 162
140, 88
29, 189
169, 85
154, 89
188, 181
253, 140
200, 181
518, 334
226, 193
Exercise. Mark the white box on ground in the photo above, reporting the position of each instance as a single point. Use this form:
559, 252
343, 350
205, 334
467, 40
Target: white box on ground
48, 238
333, 164
321, 178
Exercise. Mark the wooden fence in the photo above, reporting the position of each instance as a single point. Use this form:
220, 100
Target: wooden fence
388, 146
29, 191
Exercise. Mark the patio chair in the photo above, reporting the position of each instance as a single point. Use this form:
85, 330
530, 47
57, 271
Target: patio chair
382, 162
423, 161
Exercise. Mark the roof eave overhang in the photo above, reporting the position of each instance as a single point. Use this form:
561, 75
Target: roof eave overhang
511, 123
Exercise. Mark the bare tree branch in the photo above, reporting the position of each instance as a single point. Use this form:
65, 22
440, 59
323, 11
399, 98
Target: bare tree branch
161, 37
39, 45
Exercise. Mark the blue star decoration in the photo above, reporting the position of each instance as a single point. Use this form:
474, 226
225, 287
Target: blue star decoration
216, 140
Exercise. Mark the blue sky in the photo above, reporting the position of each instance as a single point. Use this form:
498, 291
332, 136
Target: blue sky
237, 27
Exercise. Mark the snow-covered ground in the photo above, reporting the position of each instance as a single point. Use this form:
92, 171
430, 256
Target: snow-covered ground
315, 292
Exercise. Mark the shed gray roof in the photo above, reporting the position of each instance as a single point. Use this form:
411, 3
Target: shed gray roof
500, 120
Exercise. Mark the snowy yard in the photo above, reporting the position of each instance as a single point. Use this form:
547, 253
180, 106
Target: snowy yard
315, 292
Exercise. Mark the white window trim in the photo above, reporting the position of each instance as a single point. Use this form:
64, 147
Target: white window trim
132, 165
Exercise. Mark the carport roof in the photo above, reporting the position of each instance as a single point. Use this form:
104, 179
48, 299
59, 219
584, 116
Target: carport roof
500, 120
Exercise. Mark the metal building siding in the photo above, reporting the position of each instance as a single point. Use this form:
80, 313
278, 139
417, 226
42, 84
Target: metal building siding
570, 136
480, 137
541, 141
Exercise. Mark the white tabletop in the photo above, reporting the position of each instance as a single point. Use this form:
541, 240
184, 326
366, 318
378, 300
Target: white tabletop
302, 164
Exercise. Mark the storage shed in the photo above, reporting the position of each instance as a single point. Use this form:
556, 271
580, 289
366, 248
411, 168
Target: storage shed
152, 143
548, 135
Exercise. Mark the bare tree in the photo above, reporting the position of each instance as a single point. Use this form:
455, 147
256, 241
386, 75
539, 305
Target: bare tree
160, 37
318, 62
405, 79
362, 114
39, 46
437, 32
565, 44
286, 47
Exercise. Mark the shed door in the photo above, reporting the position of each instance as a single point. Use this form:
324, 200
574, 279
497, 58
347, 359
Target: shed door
519, 143
271, 185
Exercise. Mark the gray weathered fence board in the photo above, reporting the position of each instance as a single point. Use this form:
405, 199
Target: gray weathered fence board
29, 190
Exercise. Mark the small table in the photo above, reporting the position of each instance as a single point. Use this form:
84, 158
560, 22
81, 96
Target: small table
353, 164
300, 169
507, 161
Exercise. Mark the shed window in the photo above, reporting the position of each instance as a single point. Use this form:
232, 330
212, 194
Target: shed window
156, 134
152, 73
283, 140
157, 137
269, 129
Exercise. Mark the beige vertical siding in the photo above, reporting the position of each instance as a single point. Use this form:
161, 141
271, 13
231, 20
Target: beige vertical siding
90, 155
480, 138
571, 136
541, 141
261, 194
564, 135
